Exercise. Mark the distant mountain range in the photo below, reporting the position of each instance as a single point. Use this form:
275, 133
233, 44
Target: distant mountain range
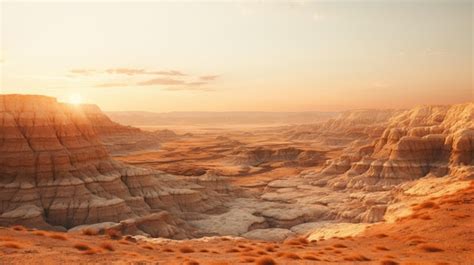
142, 118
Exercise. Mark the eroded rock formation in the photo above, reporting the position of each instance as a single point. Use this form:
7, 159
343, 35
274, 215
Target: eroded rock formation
55, 173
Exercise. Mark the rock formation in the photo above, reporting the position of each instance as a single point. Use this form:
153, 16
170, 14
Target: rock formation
55, 173
425, 140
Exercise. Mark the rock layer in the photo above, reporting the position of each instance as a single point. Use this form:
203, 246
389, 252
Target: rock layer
55, 172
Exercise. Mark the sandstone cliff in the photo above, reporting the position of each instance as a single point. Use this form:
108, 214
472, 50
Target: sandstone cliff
56, 174
425, 140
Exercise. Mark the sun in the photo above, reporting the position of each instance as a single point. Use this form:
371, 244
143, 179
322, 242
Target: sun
75, 99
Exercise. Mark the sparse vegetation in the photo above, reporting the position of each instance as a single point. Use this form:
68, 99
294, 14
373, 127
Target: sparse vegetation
430, 248
11, 245
265, 261
82, 246
388, 262
107, 246
90, 232
186, 249
58, 236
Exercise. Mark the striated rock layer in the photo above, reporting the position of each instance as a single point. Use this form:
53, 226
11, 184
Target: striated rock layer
55, 173
427, 140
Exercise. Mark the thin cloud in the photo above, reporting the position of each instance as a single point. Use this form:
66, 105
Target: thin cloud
208, 77
126, 71
196, 83
188, 88
161, 81
170, 73
111, 85
83, 71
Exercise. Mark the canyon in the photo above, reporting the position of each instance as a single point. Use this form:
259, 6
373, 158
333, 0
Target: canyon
348, 176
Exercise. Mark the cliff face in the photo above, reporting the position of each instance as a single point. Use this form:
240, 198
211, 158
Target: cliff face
54, 171
425, 140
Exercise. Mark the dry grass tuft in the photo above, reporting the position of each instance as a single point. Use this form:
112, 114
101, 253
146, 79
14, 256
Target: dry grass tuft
82, 247
426, 205
148, 247
39, 233
381, 248
265, 261
247, 260
270, 249
309, 257
168, 250
339, 245
388, 262
58, 236
90, 252
18, 228
124, 242
232, 250
191, 262
90, 232
11, 245
381, 235
186, 249
131, 239
113, 234
430, 248
291, 256
107, 246
204, 250
357, 257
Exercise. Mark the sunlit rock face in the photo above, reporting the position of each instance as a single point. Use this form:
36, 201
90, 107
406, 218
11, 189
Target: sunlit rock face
55, 172
424, 140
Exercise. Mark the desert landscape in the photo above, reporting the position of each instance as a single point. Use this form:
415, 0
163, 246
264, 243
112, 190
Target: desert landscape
236, 132
364, 186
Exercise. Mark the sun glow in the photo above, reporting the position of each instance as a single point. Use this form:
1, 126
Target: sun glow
75, 99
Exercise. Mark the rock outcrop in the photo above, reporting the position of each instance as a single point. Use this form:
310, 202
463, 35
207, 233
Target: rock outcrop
55, 173
425, 140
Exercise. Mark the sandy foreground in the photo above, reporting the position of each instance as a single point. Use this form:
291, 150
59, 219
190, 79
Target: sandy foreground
440, 231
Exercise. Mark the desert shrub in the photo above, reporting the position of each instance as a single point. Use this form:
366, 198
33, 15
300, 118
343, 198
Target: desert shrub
90, 232
148, 247
113, 234
11, 245
291, 256
430, 248
107, 246
58, 236
381, 248
339, 245
39, 233
82, 247
309, 257
191, 262
186, 249
357, 257
232, 250
18, 228
265, 261
388, 262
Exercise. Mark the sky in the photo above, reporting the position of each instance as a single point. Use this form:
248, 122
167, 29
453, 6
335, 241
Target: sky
240, 56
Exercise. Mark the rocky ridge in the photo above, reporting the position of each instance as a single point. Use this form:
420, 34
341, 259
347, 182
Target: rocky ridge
56, 174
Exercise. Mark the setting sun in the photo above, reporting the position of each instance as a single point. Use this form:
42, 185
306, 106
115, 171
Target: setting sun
75, 99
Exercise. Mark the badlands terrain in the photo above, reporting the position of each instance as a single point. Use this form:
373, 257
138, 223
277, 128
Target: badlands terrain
369, 186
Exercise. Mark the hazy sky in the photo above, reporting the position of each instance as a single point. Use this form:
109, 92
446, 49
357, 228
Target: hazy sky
227, 56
